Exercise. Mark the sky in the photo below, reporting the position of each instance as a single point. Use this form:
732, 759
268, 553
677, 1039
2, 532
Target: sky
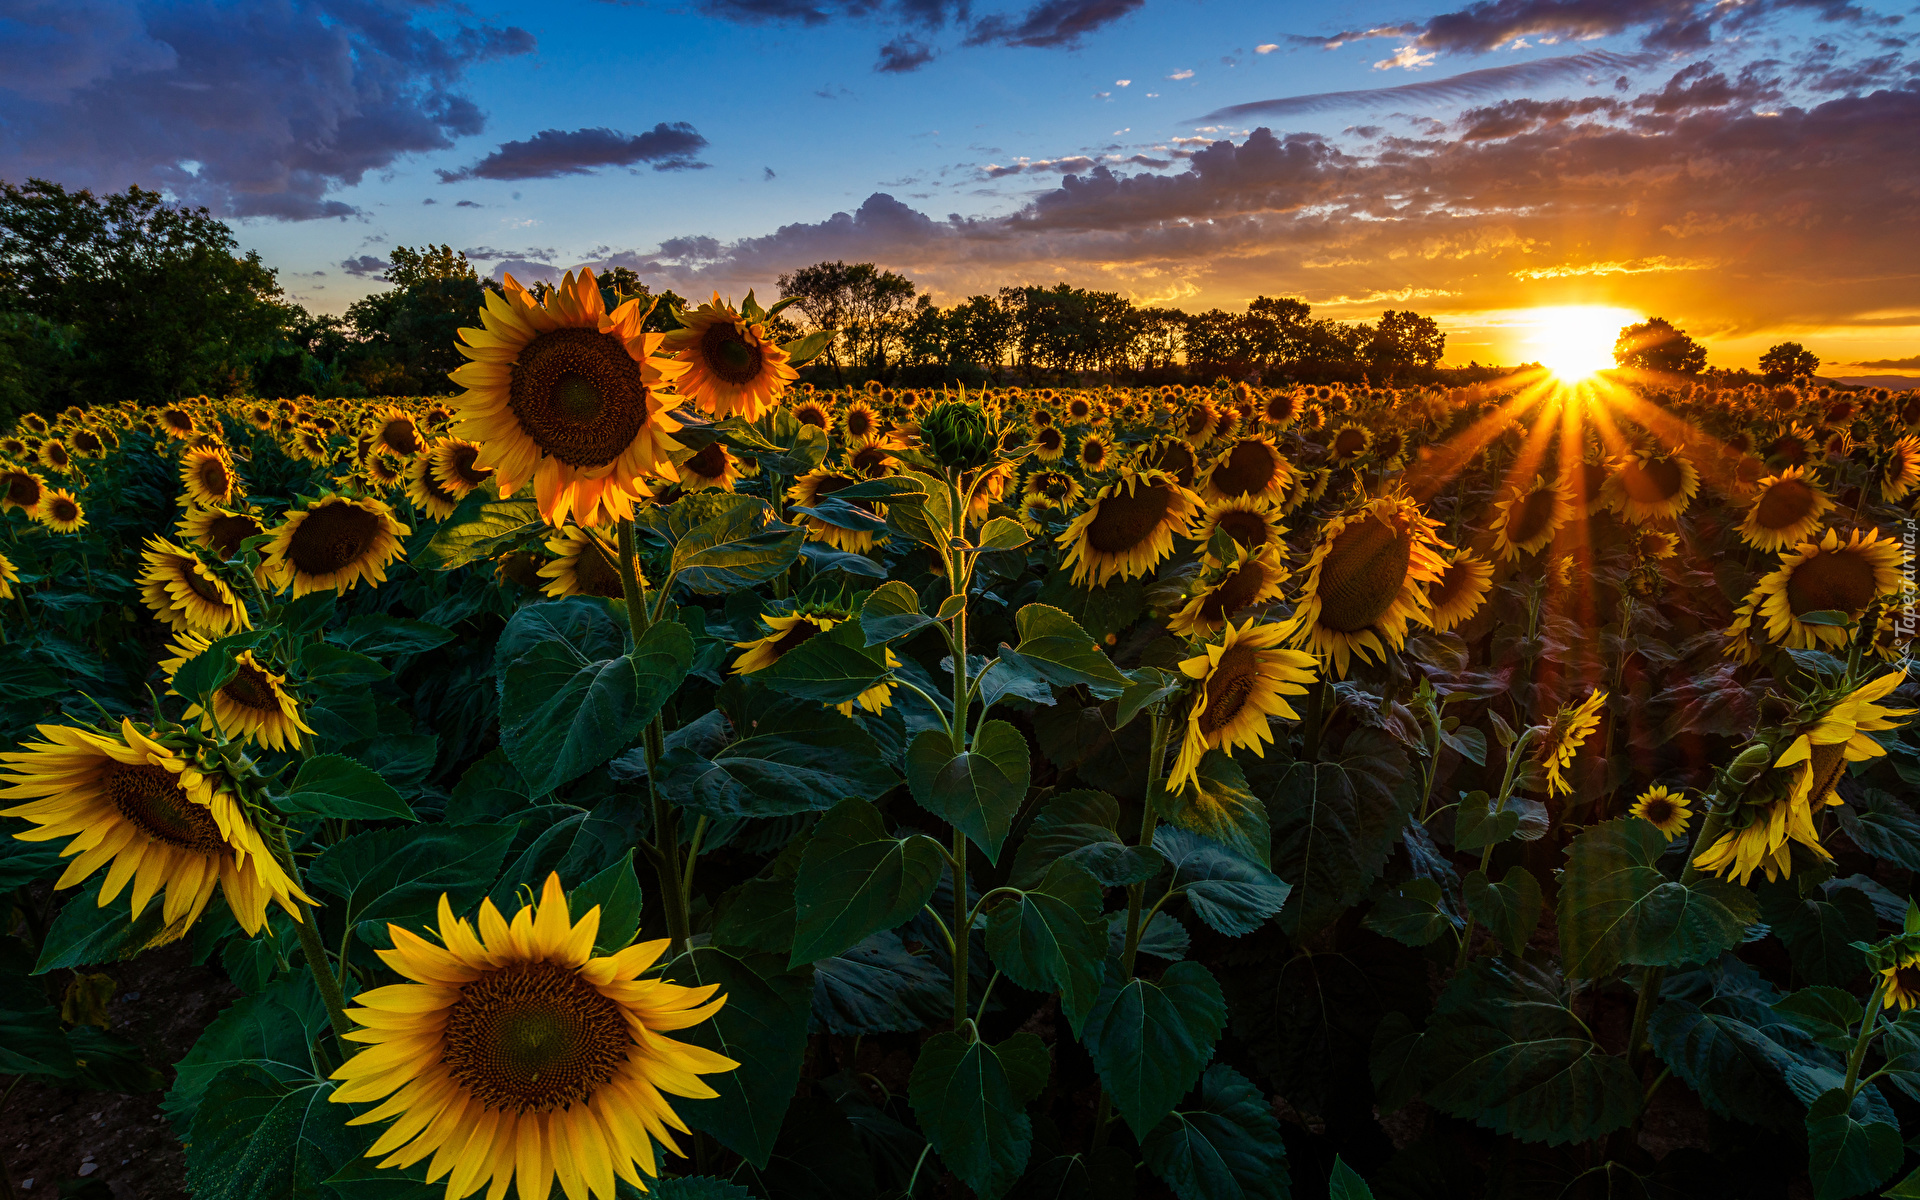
1749, 169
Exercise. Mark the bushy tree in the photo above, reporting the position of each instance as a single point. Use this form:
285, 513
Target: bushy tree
1789, 360
1655, 345
404, 337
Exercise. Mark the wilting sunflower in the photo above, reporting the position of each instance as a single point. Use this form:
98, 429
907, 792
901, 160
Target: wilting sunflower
1095, 454
515, 1055
1460, 591
209, 478
1900, 983
1252, 467
186, 594
807, 492
1046, 488
583, 566
813, 411
334, 543
1349, 443
22, 490
1248, 522
1900, 470
1827, 576
254, 704
1365, 581
732, 367
426, 492
1787, 508
456, 466
1651, 485
1527, 520
1244, 679
1571, 727
860, 422
162, 820
393, 430
1669, 812
570, 397
712, 467
9, 576
1254, 577
60, 511
1128, 528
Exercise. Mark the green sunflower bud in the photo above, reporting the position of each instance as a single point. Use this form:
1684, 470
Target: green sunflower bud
1749, 763
958, 435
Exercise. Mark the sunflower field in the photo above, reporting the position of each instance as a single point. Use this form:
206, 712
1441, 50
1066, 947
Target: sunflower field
646, 772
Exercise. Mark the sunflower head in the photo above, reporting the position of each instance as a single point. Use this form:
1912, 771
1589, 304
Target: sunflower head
393, 430
60, 511
1252, 467
1460, 591
713, 467
1253, 577
583, 565
813, 411
1365, 580
732, 367
334, 543
1050, 488
959, 435
1828, 576
1095, 454
1652, 485
1562, 738
1349, 443
1129, 527
1667, 811
1171, 455
220, 530
254, 705
21, 489
1528, 519
1244, 680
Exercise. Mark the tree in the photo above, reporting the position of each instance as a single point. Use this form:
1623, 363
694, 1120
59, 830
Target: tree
866, 308
1789, 360
156, 300
1655, 345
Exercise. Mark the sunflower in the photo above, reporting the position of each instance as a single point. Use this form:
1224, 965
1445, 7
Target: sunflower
990, 489
311, 445
426, 492
60, 511
1095, 454
1650, 545
1244, 679
456, 466
1048, 488
583, 566
796, 630
1081, 410
86, 443
1349, 443
1129, 528
1900, 983
219, 530
1199, 423
55, 456
1787, 508
9, 576
1651, 485
393, 430
874, 458
334, 543
807, 492
1254, 577
209, 478
565, 395
186, 594
1049, 444
1571, 727
732, 367
1253, 467
1460, 591
176, 421
253, 705
15, 449
1666, 811
1279, 409
1900, 471
1364, 581
1248, 522
1171, 455
712, 467
1526, 521
859, 422
515, 1055
163, 821
1837, 735
1827, 576
384, 470
260, 417
814, 412
21, 489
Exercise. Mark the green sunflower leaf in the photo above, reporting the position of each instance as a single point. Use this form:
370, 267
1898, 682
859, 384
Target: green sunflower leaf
1229, 893
891, 612
1053, 645
257, 1137
1082, 826
1219, 805
333, 785
799, 758
978, 792
855, 880
1616, 907
829, 668
971, 1098
1150, 1039
482, 525
616, 891
1845, 1154
86, 933
399, 874
763, 1027
1051, 938
1509, 909
735, 549
1223, 1145
274, 1029
213, 668
1413, 913
1334, 824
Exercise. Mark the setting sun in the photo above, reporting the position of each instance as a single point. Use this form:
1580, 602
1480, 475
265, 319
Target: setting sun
1576, 341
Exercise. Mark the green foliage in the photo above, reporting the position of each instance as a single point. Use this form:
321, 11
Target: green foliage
1333, 824
977, 791
1051, 939
971, 1100
763, 1028
1226, 1145
1150, 1039
258, 1137
1616, 906
855, 880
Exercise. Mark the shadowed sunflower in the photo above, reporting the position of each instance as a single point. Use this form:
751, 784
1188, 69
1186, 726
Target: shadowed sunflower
990, 489
86, 443
161, 820
1669, 812
1198, 425
1171, 455
176, 421
1651, 485
1364, 581
60, 511
1254, 577
1526, 521
1349, 443
732, 368
253, 705
790, 632
1280, 408
1900, 983
1460, 591
15, 449
807, 492
1252, 468
1571, 727
334, 543
1080, 409
55, 456
1129, 528
1248, 522
713, 467
1827, 576
393, 430
425, 491
515, 1055
384, 470
1244, 680
1900, 470
219, 530
1587, 485
1051, 489
874, 458
186, 594
260, 417
21, 489
9, 575
1095, 454
569, 397
813, 411
583, 566
310, 445
1787, 508
456, 466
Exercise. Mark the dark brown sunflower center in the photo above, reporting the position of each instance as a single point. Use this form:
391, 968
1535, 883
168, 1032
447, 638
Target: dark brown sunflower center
811, 413
1093, 452
1244, 527
1234, 592
150, 798
1791, 449
63, 509
859, 423
86, 443
433, 487
1831, 582
1388, 446
1176, 459
1828, 763
1198, 420
533, 1038
1279, 408
1127, 520
1228, 686
1349, 442
802, 631
870, 460
1249, 468
213, 476
197, 583
251, 688
1079, 410
401, 437
710, 463
332, 538
23, 489
1530, 518
1655, 482
1053, 485
596, 574
1362, 575
56, 453
460, 464
1786, 503
729, 355
1049, 439
579, 396
1659, 810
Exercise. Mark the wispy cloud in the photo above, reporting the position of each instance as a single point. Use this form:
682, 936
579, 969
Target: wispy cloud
1468, 85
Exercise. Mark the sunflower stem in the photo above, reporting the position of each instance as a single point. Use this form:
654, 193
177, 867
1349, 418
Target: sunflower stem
1860, 1044
323, 978
630, 585
962, 929
1149, 817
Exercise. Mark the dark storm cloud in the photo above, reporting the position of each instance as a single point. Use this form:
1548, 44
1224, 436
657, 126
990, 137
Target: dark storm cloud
554, 152
1051, 23
254, 108
1468, 85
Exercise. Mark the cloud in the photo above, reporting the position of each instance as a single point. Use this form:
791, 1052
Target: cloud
552, 153
1186, 74
1051, 23
1266, 48
1407, 57
1469, 85
255, 108
902, 54
489, 254
1909, 363
366, 265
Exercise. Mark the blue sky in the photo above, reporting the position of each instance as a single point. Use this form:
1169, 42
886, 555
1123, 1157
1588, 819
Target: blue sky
1748, 170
